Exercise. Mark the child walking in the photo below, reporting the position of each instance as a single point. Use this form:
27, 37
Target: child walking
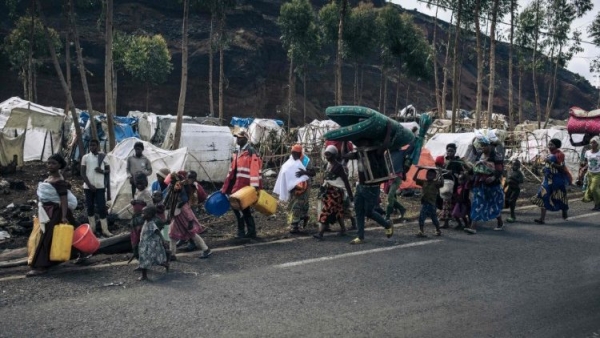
462, 208
512, 188
151, 249
431, 188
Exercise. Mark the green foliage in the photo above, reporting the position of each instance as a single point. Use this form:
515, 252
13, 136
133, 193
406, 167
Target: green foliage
299, 32
594, 30
360, 32
329, 20
17, 43
148, 59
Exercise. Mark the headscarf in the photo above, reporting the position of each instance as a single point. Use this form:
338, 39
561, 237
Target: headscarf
164, 172
595, 139
439, 161
557, 143
297, 148
331, 149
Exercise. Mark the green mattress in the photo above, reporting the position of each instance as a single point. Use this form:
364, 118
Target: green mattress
361, 123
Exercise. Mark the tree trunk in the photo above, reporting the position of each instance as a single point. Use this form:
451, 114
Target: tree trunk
108, 88
362, 76
63, 82
511, 113
304, 94
538, 107
35, 96
355, 91
211, 101
520, 94
291, 90
68, 67
340, 46
81, 68
445, 71
479, 95
438, 99
385, 94
397, 94
30, 66
455, 80
147, 94
380, 106
552, 89
221, 67
492, 84
184, 74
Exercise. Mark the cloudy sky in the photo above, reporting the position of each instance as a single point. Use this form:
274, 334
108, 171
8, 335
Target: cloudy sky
580, 62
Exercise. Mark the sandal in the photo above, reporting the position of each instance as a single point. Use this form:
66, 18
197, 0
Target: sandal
35, 272
511, 220
539, 221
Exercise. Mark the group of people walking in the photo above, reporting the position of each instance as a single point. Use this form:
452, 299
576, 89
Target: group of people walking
466, 191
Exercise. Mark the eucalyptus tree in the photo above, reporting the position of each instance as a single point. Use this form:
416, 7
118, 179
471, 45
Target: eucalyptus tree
184, 74
328, 19
299, 35
511, 105
148, 61
360, 39
25, 48
594, 32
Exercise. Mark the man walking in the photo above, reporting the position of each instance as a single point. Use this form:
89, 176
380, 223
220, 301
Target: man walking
95, 172
245, 171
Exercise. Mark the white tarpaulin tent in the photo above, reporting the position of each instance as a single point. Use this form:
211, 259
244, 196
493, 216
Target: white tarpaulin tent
43, 127
464, 144
119, 184
536, 147
264, 130
209, 149
311, 135
147, 124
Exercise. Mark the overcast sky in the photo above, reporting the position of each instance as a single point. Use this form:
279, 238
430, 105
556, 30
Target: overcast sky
579, 64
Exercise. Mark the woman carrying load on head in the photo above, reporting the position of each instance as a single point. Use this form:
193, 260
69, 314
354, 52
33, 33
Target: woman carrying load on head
454, 167
552, 194
488, 196
184, 224
592, 191
56, 204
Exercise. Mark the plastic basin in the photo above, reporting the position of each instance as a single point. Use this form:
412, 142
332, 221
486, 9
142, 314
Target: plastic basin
217, 204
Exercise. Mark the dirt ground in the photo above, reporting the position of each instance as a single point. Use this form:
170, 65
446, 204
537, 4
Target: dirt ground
221, 230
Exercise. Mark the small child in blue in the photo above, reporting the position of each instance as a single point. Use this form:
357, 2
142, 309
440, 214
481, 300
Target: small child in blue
430, 190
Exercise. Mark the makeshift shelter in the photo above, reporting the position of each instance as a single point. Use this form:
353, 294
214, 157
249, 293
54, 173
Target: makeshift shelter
464, 143
535, 147
311, 135
119, 183
42, 126
265, 130
147, 124
209, 149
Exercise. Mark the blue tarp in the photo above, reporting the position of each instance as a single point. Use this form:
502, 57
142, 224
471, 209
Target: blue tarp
245, 122
125, 127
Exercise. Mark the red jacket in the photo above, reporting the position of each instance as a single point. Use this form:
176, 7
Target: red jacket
245, 170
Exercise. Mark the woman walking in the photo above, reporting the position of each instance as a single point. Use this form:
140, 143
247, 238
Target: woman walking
488, 196
552, 194
184, 224
454, 167
55, 207
335, 181
592, 192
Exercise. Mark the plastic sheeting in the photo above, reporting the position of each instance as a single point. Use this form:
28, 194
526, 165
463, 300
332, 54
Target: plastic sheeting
209, 149
311, 135
245, 122
120, 188
42, 126
264, 130
464, 144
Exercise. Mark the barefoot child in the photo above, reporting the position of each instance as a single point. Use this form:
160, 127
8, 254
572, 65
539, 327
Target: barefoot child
513, 189
431, 188
462, 209
151, 249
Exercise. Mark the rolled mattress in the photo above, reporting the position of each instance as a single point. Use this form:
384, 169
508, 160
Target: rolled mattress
358, 123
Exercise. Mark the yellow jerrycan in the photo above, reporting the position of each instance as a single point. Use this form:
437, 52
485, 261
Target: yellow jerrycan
62, 240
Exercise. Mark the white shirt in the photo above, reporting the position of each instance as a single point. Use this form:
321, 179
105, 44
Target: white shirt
593, 161
90, 161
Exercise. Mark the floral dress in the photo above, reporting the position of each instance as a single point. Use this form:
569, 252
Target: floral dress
151, 249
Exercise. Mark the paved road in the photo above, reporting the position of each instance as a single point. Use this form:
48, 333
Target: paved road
528, 281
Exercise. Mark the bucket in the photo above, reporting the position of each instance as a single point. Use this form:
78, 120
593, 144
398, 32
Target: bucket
85, 240
216, 204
